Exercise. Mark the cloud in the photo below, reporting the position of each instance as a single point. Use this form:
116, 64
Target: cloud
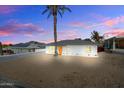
79, 24
102, 22
115, 32
28, 34
63, 35
114, 21
27, 29
68, 34
109, 22
99, 21
7, 42
99, 17
76, 24
7, 9
3, 33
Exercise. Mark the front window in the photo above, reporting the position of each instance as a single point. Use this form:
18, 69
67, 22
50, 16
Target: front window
88, 49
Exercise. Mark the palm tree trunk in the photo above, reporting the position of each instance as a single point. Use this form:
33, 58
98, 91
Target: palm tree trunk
1, 53
55, 34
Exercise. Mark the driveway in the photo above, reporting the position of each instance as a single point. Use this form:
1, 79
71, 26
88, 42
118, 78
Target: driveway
41, 70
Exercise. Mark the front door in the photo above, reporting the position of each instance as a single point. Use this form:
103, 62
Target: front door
60, 50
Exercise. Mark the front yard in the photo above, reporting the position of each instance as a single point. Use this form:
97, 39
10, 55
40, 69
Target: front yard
64, 71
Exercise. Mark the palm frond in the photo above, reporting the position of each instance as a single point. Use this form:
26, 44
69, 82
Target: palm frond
49, 15
56, 9
60, 13
63, 8
45, 11
68, 9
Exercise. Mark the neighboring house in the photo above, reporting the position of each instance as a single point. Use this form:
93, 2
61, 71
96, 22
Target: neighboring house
31, 46
75, 47
115, 44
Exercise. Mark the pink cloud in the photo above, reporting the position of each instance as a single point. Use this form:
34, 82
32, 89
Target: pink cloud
27, 29
68, 34
79, 24
7, 9
103, 22
99, 17
7, 42
3, 33
121, 34
63, 35
108, 22
115, 32
114, 21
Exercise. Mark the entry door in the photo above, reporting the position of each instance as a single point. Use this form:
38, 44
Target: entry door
60, 50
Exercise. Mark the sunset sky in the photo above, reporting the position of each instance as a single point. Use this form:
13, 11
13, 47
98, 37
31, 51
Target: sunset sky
26, 23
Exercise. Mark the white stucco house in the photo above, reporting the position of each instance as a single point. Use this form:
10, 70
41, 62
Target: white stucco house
75, 47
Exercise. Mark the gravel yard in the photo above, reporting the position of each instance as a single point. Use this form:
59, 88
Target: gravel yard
41, 70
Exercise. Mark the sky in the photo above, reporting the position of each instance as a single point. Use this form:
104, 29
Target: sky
20, 24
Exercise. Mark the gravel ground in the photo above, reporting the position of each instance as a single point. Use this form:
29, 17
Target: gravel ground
65, 71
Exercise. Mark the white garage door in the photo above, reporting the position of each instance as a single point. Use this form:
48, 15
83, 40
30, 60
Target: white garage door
81, 50
74, 50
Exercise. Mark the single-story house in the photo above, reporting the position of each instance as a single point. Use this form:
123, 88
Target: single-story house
75, 47
28, 47
115, 44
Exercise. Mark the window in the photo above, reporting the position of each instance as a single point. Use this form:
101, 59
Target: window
88, 49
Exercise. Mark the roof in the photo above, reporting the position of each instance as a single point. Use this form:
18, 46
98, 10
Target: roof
73, 42
115, 37
31, 44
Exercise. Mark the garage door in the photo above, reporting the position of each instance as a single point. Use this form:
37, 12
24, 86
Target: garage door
74, 50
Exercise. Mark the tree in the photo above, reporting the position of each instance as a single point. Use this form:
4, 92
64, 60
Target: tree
96, 37
1, 51
54, 10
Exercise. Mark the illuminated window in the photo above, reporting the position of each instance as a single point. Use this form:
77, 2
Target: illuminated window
88, 49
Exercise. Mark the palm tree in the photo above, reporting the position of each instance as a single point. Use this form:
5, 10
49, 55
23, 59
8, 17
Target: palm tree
96, 37
54, 10
1, 53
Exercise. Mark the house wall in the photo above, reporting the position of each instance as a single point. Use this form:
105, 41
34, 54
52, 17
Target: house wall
75, 50
25, 50
40, 50
50, 49
19, 50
